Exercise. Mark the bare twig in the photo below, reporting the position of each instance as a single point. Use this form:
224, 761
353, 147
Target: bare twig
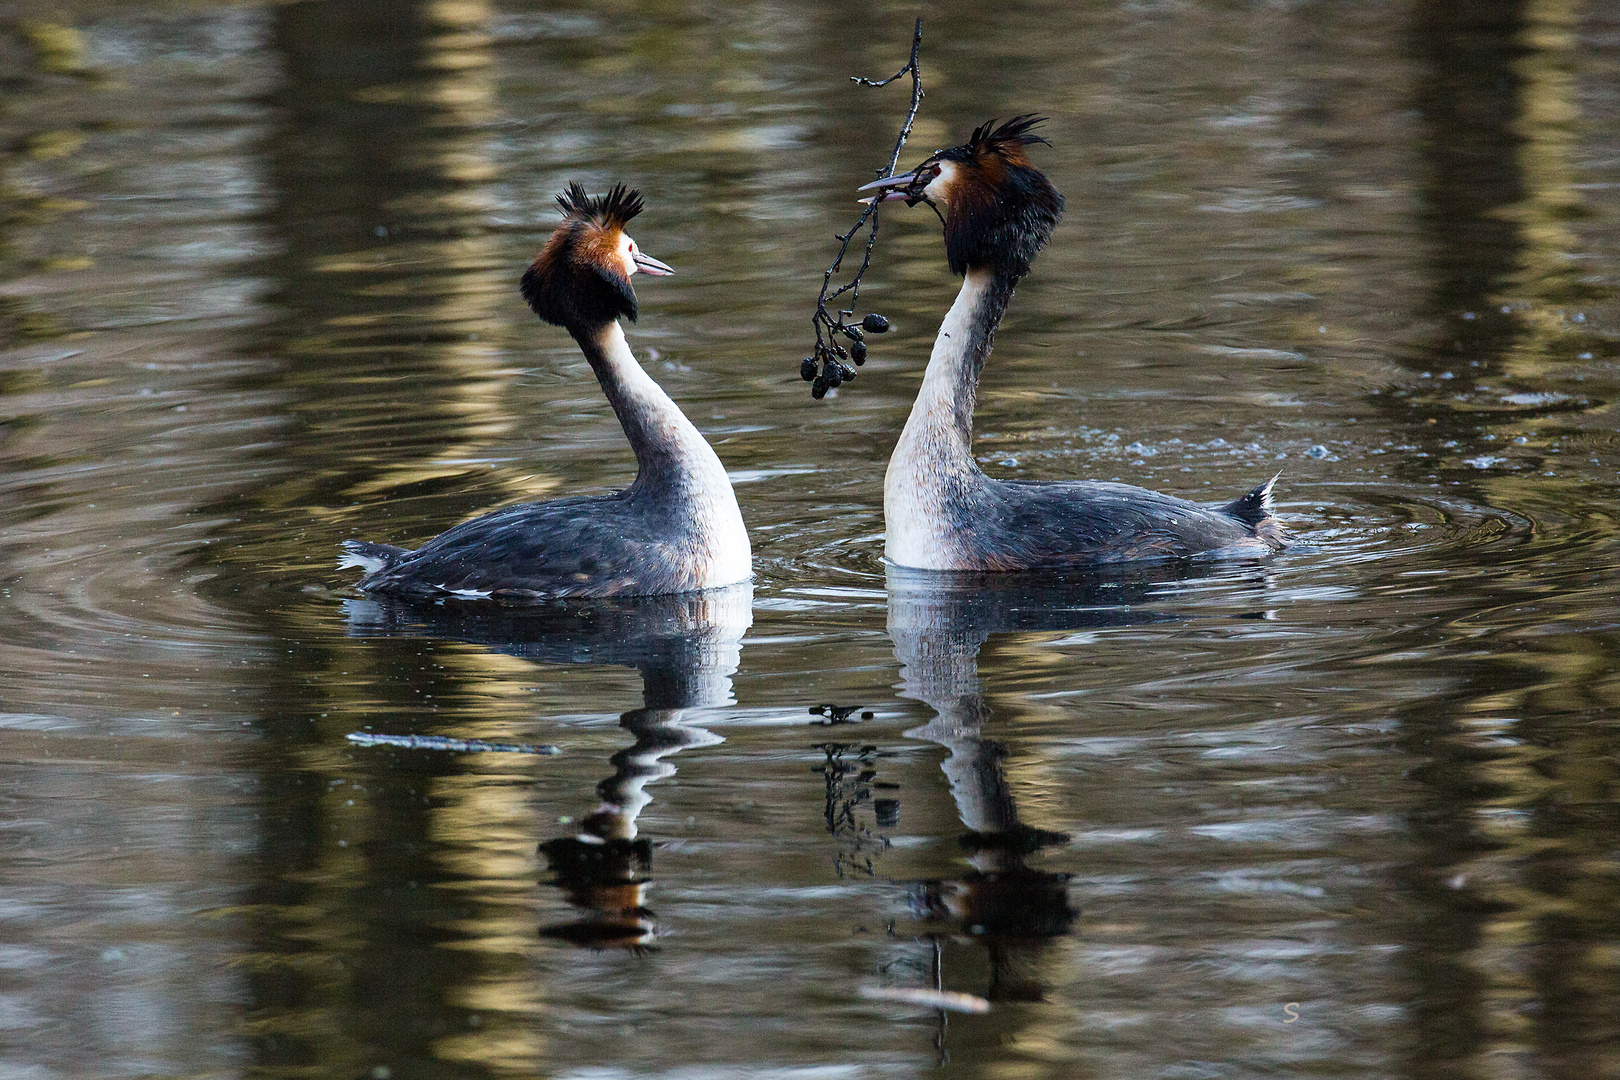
826, 368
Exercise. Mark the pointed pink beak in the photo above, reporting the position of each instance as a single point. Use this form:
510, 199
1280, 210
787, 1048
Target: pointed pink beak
649, 265
890, 188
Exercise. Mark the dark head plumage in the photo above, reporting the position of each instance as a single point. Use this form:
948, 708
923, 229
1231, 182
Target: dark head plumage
578, 280
999, 209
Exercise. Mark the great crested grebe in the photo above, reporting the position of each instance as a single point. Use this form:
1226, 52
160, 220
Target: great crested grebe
675, 529
941, 512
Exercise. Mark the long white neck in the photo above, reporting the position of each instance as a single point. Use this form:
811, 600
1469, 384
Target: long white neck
675, 464
932, 467
668, 448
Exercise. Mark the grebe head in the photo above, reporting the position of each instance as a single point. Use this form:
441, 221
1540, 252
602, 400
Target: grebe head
581, 278
999, 210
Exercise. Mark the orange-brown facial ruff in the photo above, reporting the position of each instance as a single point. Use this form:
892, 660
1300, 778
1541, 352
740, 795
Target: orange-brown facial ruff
999, 209
579, 280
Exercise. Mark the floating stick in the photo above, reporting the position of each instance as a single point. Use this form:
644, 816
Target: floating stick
443, 742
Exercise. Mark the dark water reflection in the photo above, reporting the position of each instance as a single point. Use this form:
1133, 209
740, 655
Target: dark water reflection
686, 648
1352, 810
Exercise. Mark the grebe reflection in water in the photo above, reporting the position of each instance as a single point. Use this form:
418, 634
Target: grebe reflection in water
1006, 901
686, 647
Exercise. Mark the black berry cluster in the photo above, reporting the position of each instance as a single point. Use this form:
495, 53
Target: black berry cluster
827, 370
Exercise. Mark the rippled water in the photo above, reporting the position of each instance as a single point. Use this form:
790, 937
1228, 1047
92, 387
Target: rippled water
1349, 811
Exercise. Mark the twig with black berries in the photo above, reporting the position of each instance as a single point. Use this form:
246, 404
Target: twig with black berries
826, 369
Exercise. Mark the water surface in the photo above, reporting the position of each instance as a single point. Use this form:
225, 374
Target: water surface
1349, 811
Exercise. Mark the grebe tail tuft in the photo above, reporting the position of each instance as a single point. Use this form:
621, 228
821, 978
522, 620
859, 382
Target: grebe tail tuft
1254, 507
370, 557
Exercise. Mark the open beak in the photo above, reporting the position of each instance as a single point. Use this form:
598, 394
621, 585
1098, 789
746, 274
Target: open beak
649, 265
892, 189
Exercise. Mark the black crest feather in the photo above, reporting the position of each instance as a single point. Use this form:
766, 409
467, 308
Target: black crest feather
613, 210
1015, 132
